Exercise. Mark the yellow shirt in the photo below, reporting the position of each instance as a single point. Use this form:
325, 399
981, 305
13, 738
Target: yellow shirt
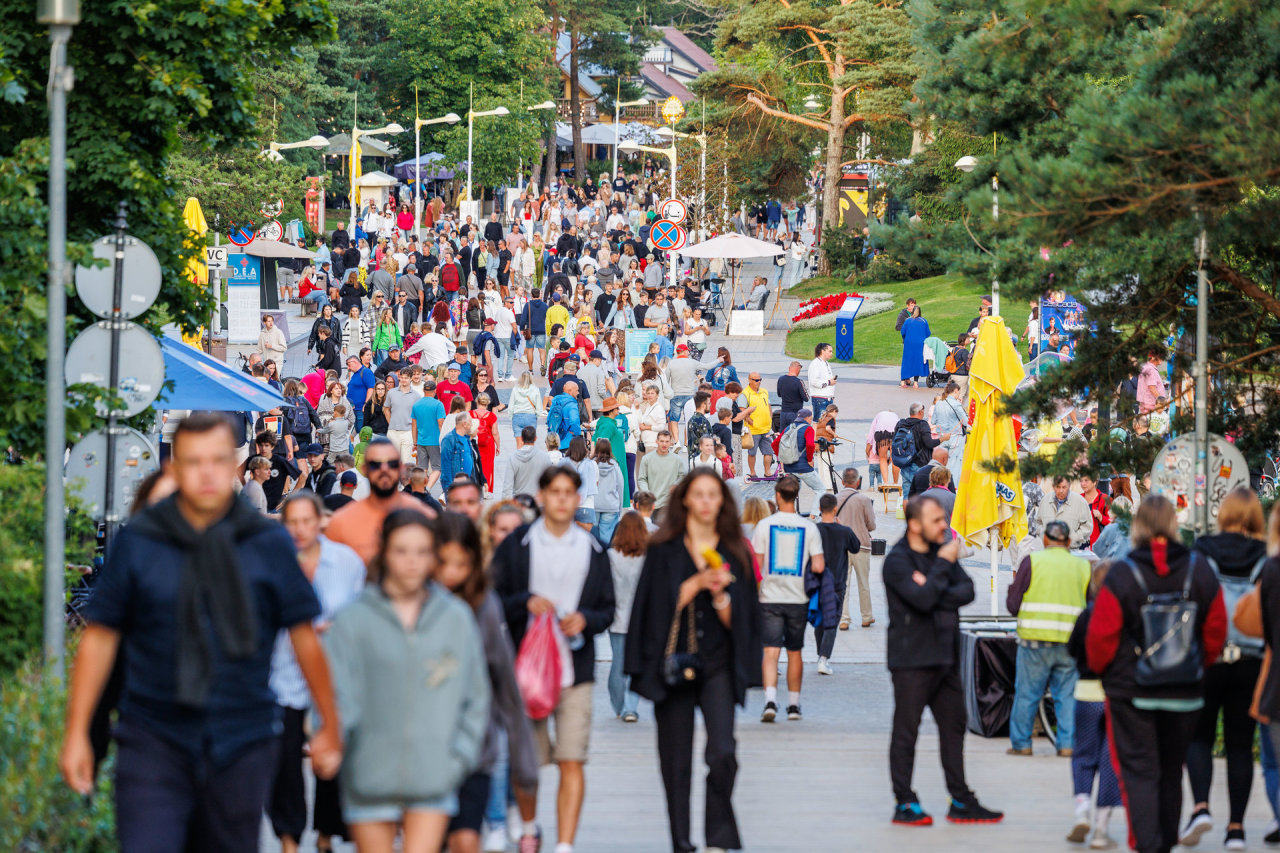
1049, 429
558, 315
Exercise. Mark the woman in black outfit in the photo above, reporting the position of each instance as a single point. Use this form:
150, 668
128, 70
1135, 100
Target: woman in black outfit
375, 409
701, 517
352, 294
1236, 555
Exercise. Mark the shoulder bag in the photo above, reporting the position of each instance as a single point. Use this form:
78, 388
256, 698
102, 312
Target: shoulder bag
682, 667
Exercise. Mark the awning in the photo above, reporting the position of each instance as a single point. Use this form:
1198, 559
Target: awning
407, 169
376, 178
194, 380
262, 248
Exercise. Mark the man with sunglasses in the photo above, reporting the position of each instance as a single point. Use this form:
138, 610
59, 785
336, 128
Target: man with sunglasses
359, 524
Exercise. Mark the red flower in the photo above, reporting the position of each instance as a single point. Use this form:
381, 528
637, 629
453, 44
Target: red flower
811, 308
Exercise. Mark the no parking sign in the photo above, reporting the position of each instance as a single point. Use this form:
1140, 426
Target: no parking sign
667, 235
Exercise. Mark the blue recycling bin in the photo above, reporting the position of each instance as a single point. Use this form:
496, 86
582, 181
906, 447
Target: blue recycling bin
844, 327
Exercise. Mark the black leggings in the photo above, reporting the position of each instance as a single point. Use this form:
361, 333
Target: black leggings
1149, 748
1228, 688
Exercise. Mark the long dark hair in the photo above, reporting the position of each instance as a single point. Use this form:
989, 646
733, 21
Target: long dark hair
395, 520
728, 526
452, 527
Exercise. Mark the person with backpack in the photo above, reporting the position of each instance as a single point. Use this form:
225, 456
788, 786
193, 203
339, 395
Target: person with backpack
299, 415
795, 451
563, 418
1152, 667
913, 445
1048, 593
1236, 554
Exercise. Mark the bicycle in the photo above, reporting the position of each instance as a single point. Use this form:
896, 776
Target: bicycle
1269, 481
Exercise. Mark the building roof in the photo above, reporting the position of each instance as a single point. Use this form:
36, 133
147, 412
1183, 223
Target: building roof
664, 84
590, 88
682, 44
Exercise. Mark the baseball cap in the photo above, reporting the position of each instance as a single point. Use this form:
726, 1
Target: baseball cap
803, 413
555, 297
393, 348
595, 353
682, 348
313, 450
575, 357
453, 365
349, 478
489, 321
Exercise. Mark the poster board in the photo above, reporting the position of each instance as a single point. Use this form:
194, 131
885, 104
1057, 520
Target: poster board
746, 324
1062, 319
637, 347
244, 317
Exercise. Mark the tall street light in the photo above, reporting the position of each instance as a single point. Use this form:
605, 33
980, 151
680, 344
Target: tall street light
617, 117
418, 124
630, 147
545, 105
472, 115
356, 133
317, 142
968, 163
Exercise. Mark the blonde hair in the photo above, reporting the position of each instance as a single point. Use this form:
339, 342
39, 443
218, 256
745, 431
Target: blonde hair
1156, 518
1241, 512
754, 510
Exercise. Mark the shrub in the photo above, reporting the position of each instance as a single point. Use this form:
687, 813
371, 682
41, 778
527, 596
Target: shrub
38, 812
886, 269
844, 250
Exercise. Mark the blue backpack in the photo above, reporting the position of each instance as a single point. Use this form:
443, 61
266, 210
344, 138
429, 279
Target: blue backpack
555, 417
903, 449
1233, 589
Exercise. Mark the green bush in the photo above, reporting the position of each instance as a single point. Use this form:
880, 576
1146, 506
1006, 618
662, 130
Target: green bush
22, 548
38, 812
844, 251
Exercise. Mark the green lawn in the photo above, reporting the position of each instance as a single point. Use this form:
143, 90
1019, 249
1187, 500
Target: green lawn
948, 302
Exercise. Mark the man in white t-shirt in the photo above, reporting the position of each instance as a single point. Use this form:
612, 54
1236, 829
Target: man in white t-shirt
506, 330
785, 544
822, 382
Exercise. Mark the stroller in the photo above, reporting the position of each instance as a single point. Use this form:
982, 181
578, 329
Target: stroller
936, 352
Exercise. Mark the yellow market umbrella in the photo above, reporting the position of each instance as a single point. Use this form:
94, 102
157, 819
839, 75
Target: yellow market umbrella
197, 272
990, 509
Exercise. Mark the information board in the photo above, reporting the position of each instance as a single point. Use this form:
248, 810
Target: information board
638, 341
244, 317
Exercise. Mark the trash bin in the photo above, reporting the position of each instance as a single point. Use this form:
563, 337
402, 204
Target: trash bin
988, 654
217, 345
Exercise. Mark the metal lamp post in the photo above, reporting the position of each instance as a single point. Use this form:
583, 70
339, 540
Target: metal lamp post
617, 117
418, 124
471, 127
356, 133
545, 105
967, 164
274, 148
60, 16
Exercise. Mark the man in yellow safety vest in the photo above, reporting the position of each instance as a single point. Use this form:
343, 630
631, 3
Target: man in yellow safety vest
1047, 594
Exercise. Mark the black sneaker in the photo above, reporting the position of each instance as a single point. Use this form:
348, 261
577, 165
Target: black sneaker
972, 812
1234, 840
1200, 823
770, 712
911, 814
1273, 833
793, 712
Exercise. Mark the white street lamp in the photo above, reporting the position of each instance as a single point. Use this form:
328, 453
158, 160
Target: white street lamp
545, 105
967, 164
630, 147
274, 148
418, 124
617, 116
472, 115
356, 133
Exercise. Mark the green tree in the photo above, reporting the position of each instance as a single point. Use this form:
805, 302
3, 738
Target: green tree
144, 74
500, 143
1124, 130
234, 185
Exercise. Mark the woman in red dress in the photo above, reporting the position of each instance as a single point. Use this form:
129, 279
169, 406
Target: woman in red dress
486, 436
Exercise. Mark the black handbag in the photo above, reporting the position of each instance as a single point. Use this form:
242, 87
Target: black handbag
1170, 654
682, 667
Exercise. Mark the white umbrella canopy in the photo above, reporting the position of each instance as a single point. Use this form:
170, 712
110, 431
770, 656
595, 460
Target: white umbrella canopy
276, 249
734, 246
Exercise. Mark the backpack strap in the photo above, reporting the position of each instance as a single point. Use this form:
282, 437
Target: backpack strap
1257, 569
1137, 576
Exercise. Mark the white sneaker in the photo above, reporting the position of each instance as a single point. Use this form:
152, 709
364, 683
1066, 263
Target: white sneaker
1101, 841
495, 840
1199, 824
824, 668
515, 825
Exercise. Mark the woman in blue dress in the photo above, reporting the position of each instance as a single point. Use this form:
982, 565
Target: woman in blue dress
914, 332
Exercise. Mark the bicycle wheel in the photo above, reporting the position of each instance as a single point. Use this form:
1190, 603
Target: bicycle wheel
1048, 720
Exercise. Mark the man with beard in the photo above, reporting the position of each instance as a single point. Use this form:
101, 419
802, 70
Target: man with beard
358, 525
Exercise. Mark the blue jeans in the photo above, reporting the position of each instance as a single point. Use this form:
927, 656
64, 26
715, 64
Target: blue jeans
820, 405
605, 523
510, 354
1270, 769
495, 813
1047, 666
519, 422
318, 297
620, 695
874, 478
908, 471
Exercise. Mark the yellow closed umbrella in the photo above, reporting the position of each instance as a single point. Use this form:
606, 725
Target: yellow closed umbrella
196, 272
356, 172
990, 509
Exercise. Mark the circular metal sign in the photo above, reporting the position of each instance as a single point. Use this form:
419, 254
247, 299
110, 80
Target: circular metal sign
86, 471
1178, 477
273, 230
141, 285
242, 236
667, 235
141, 366
673, 210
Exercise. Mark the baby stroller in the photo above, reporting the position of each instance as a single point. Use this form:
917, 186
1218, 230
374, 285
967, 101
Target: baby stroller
936, 352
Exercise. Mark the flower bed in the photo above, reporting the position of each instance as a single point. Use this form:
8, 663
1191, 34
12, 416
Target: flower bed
817, 313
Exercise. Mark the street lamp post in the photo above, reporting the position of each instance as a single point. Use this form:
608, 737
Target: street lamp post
418, 124
356, 133
545, 105
967, 163
471, 125
274, 148
617, 117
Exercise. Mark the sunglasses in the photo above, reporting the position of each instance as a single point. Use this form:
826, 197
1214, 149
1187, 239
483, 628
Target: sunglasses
390, 464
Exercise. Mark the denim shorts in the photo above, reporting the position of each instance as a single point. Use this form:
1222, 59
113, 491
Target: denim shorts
676, 410
585, 515
782, 625
393, 812
537, 342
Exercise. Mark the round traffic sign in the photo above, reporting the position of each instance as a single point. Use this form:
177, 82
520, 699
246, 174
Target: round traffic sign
273, 230
141, 282
667, 235
673, 209
241, 236
86, 471
141, 365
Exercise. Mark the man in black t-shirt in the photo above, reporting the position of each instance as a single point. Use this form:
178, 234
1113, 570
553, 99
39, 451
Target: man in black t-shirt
282, 469
792, 393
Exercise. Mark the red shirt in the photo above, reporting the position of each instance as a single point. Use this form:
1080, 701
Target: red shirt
306, 286
314, 384
1098, 504
446, 391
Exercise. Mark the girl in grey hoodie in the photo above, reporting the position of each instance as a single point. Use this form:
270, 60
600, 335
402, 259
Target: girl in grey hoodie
408, 669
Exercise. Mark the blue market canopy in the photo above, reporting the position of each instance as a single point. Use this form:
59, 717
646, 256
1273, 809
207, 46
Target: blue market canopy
406, 169
200, 381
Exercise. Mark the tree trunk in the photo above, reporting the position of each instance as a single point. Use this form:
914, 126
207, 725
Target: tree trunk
535, 169
829, 217
575, 109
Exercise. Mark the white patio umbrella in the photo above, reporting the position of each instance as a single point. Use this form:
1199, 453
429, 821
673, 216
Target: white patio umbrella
735, 247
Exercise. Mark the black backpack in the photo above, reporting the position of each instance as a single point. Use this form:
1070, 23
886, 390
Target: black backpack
1170, 653
299, 416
